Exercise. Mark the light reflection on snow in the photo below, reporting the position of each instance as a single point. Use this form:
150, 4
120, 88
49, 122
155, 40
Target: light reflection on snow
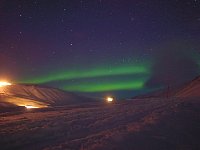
4, 83
30, 107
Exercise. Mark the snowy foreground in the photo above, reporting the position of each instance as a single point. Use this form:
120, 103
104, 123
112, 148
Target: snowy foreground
147, 124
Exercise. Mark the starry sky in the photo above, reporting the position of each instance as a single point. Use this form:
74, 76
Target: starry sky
100, 47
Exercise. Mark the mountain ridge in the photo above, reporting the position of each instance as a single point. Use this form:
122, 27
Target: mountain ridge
189, 89
40, 96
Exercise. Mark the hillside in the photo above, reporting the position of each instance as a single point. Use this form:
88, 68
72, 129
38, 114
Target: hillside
192, 89
37, 96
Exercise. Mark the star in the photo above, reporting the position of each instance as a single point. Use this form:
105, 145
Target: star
132, 18
53, 53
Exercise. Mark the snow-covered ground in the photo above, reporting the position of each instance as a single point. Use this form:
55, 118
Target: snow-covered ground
143, 124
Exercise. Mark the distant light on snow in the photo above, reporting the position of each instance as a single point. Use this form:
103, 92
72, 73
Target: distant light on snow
30, 106
109, 99
4, 83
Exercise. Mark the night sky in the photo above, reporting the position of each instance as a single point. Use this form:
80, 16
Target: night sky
100, 47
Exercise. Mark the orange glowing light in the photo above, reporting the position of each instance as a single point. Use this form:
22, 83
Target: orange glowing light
109, 99
4, 83
30, 106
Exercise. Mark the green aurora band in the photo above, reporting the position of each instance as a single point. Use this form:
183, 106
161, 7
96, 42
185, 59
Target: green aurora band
107, 86
90, 73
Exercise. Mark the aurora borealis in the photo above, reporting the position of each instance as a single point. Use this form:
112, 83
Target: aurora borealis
91, 73
107, 86
109, 78
100, 47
